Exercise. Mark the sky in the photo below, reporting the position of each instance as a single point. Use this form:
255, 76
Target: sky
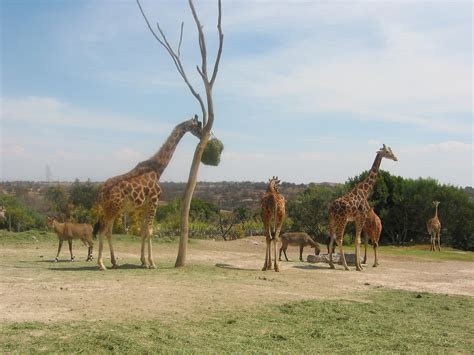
306, 90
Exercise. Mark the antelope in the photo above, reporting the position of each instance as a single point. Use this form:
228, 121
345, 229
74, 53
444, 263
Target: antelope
70, 231
300, 239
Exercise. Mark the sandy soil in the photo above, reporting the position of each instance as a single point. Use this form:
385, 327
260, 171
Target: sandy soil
220, 276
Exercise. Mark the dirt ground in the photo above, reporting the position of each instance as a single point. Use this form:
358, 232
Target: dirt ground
220, 276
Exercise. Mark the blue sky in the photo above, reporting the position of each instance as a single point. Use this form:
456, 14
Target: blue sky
307, 90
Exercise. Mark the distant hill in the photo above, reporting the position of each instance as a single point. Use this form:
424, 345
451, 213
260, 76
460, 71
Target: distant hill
225, 194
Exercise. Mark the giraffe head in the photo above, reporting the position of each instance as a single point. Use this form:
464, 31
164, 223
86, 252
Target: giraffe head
386, 152
436, 203
194, 126
273, 184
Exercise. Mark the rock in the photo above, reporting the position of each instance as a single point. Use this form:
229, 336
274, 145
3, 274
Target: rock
336, 258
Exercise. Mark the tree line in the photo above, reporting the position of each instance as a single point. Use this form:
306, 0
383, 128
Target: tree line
404, 205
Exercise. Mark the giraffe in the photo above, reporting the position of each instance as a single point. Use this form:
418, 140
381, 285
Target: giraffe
272, 206
434, 229
138, 190
373, 229
354, 206
3, 210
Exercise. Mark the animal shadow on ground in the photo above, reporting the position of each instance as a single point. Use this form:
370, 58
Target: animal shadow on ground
311, 267
95, 267
233, 267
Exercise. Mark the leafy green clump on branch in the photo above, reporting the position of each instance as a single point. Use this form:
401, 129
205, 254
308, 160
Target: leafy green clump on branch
212, 152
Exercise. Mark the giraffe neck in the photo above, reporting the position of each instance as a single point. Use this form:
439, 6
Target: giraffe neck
436, 212
367, 185
162, 158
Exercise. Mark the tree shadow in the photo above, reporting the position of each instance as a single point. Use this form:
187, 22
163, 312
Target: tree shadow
312, 267
94, 266
233, 267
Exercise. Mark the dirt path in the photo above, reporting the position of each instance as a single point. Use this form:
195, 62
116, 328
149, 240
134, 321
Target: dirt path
221, 276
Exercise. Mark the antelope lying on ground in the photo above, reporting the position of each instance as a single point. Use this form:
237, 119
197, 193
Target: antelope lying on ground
69, 231
298, 239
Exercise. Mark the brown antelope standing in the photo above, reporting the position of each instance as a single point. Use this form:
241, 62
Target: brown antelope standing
70, 231
300, 239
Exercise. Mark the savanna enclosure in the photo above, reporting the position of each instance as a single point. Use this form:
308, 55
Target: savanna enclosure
221, 301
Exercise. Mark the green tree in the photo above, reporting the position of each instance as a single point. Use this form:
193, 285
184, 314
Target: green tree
19, 216
58, 197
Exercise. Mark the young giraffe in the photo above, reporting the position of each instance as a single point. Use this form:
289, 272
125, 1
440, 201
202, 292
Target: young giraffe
138, 190
434, 229
272, 206
354, 206
373, 229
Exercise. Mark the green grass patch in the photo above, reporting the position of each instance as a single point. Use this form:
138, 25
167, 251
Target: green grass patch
423, 251
390, 321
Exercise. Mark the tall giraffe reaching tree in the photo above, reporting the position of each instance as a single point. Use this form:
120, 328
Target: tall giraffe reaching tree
272, 207
138, 190
354, 206
206, 108
434, 229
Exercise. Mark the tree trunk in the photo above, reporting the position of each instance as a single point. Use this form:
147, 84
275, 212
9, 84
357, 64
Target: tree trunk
187, 197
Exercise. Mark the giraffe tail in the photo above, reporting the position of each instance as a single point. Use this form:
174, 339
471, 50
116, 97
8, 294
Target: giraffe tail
95, 230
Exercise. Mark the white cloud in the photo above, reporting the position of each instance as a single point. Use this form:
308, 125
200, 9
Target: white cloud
49, 111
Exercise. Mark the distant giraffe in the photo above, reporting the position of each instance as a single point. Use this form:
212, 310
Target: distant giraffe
434, 229
138, 190
3, 210
354, 206
373, 229
272, 207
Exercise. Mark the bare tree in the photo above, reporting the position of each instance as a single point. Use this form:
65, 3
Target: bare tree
207, 109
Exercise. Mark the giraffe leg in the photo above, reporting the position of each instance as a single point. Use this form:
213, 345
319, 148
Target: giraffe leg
112, 254
439, 240
142, 257
108, 234
268, 236
331, 251
276, 239
341, 252
359, 225
275, 260
70, 249
149, 232
267, 254
100, 262
376, 261
366, 242
432, 241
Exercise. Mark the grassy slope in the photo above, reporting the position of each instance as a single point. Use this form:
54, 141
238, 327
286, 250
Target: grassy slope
393, 321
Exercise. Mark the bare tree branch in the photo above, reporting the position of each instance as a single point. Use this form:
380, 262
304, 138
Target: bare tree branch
177, 62
202, 42
221, 42
180, 39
